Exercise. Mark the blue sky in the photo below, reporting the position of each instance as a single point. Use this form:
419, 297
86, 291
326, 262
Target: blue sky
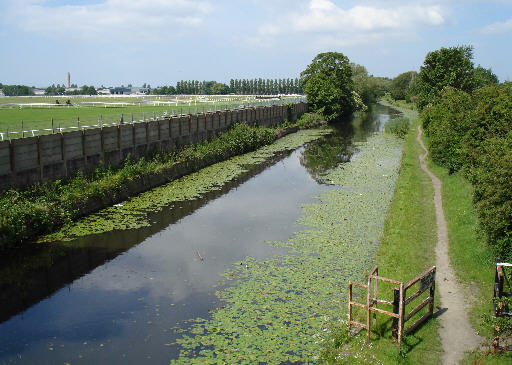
114, 42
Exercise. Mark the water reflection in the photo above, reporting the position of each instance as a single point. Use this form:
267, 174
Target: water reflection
31, 274
115, 297
325, 154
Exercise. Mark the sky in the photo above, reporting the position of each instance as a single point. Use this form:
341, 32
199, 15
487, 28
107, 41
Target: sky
159, 42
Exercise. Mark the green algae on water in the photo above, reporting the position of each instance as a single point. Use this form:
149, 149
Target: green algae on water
134, 213
280, 309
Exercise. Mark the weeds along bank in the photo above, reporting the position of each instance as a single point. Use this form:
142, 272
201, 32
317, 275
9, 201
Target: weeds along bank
44, 208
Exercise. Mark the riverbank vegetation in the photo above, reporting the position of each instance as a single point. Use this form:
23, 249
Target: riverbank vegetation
405, 249
472, 133
41, 209
468, 125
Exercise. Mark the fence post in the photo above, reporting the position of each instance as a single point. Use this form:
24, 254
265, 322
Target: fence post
53, 130
368, 304
22, 130
375, 282
401, 309
396, 310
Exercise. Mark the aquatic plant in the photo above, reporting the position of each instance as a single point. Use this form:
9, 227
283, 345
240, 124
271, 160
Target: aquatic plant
280, 309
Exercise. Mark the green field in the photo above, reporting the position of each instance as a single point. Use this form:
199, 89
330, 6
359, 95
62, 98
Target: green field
33, 114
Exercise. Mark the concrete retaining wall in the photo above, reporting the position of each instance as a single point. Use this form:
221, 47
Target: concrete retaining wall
36, 159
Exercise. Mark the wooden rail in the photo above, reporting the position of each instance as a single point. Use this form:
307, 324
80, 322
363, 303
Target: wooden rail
426, 281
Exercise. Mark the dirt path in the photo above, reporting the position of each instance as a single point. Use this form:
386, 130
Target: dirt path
456, 333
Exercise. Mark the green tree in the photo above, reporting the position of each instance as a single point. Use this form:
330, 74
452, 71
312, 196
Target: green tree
328, 85
219, 89
445, 67
17, 90
484, 77
402, 86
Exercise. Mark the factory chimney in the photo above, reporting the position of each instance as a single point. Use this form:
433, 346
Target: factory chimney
69, 80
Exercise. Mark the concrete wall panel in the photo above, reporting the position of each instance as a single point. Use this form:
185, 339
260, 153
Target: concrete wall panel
25, 153
175, 127
140, 134
51, 148
126, 132
110, 142
92, 142
73, 144
5, 158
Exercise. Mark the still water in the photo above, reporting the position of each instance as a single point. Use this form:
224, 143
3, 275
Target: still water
116, 297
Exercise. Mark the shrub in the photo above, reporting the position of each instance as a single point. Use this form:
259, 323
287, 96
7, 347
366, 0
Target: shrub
490, 116
311, 120
492, 180
398, 126
446, 124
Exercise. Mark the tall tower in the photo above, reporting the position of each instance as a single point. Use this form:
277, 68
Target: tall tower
69, 80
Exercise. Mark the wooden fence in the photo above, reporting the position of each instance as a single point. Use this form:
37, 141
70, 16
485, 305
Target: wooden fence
399, 304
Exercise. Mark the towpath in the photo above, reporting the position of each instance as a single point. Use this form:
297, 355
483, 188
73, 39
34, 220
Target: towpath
456, 333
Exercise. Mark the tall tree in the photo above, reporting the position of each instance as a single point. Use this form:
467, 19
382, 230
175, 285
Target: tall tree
328, 85
445, 67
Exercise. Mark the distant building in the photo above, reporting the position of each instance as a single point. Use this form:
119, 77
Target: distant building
38, 91
103, 91
140, 90
1, 93
121, 90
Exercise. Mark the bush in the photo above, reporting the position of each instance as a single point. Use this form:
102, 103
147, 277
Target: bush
490, 116
492, 180
446, 124
398, 126
311, 120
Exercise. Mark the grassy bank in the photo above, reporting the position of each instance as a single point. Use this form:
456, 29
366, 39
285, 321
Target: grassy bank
406, 249
45, 208
471, 257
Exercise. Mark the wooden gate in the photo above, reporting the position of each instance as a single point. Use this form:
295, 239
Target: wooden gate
502, 289
399, 304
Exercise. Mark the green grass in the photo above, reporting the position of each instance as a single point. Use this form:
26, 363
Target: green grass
407, 249
35, 118
470, 256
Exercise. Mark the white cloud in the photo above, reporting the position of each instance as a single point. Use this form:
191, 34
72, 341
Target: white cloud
332, 24
498, 28
111, 19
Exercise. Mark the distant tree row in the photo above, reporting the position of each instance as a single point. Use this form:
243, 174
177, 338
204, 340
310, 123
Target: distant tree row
61, 90
16, 90
236, 86
265, 86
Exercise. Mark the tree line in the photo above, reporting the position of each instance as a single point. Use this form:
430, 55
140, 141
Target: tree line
236, 86
467, 116
16, 90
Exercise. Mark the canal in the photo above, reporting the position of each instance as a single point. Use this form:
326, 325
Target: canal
118, 296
